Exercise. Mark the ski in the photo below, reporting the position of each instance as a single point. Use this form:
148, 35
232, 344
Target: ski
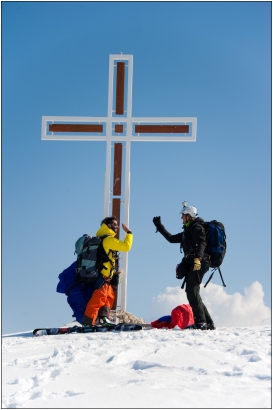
122, 327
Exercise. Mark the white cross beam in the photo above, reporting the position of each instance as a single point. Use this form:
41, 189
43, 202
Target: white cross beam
119, 126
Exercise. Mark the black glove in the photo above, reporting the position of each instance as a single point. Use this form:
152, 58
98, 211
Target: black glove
115, 280
157, 222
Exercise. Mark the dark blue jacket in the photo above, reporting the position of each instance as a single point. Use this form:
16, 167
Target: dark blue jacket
77, 295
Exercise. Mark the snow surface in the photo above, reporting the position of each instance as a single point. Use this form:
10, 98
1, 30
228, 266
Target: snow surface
157, 368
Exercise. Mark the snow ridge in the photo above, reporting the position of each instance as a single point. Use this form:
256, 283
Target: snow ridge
225, 368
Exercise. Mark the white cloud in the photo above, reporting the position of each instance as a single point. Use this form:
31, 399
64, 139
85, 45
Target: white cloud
226, 310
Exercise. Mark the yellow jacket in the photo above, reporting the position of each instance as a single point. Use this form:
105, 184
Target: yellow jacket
110, 244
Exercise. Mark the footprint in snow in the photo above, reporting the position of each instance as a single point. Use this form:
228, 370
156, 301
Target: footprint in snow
140, 365
247, 351
254, 358
72, 393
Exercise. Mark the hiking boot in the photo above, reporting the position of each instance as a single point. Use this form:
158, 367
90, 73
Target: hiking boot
191, 327
210, 326
104, 321
201, 326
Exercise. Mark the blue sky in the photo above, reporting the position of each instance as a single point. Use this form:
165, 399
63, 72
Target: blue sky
210, 60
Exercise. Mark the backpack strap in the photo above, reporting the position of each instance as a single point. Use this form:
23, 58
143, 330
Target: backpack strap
221, 277
184, 281
212, 276
105, 256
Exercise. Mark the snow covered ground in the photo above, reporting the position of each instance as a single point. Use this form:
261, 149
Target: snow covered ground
226, 368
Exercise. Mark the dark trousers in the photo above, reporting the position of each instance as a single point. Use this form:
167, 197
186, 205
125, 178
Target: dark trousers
194, 279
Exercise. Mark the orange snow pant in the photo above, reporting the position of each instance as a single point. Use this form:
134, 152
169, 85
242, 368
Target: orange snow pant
103, 296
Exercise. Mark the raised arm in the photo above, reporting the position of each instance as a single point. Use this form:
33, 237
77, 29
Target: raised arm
167, 235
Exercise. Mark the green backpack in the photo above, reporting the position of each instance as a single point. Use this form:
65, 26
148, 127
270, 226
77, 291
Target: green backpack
90, 258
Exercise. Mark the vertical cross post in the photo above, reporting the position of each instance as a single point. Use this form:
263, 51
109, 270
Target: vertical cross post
119, 117
119, 127
116, 202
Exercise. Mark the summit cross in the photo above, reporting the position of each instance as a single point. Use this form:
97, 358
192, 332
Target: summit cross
120, 128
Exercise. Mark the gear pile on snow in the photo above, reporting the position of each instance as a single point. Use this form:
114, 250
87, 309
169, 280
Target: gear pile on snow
126, 317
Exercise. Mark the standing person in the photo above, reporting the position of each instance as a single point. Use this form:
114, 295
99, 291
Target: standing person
103, 296
195, 262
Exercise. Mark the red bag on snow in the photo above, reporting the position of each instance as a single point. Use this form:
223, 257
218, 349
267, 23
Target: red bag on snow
181, 316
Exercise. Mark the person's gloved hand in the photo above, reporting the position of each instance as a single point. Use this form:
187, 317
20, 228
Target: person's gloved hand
157, 221
115, 280
196, 264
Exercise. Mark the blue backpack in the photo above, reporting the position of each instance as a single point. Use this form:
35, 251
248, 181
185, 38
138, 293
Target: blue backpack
216, 245
216, 242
